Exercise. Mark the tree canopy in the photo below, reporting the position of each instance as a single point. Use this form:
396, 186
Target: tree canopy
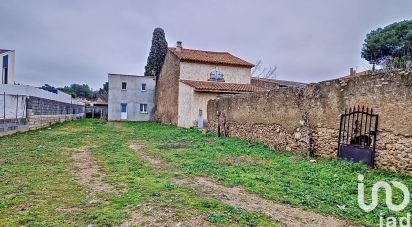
77, 90
391, 44
157, 53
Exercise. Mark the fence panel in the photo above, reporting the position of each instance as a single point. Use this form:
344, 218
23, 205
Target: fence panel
12, 106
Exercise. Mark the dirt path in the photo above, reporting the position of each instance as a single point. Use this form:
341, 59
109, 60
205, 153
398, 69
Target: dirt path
152, 214
88, 173
282, 214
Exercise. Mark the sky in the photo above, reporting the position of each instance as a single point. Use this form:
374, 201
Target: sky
60, 42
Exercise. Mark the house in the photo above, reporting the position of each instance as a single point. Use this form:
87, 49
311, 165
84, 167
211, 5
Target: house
7, 66
190, 78
271, 84
131, 97
96, 109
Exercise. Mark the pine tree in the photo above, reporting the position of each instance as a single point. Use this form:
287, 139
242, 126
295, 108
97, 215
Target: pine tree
157, 53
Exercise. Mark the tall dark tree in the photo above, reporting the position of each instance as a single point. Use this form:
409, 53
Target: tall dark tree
389, 45
157, 53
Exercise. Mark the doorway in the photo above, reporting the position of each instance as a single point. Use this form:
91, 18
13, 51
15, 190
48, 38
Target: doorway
123, 114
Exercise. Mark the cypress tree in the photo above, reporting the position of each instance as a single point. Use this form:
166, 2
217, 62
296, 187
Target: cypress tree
157, 53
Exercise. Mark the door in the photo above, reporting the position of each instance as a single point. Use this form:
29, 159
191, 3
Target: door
357, 135
123, 114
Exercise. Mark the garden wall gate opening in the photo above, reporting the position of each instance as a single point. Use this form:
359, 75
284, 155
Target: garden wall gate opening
357, 135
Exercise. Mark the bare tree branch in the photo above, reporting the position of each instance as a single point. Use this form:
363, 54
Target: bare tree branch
260, 71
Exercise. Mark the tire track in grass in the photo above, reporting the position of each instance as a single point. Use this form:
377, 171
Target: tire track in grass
88, 173
282, 214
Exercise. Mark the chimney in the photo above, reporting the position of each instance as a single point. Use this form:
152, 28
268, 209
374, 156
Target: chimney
351, 73
179, 46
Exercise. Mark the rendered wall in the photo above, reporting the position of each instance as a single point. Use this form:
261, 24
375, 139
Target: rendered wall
132, 96
231, 74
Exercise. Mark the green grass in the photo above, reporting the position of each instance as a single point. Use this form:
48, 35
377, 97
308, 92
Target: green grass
36, 181
328, 186
37, 187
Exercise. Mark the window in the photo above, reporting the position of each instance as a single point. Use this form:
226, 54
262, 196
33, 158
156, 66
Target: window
216, 75
124, 107
143, 108
143, 87
4, 70
124, 85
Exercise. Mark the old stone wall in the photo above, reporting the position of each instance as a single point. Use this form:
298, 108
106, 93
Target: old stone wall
307, 119
265, 83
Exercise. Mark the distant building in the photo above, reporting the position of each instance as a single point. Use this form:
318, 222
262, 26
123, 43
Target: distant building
131, 97
190, 78
271, 84
7, 66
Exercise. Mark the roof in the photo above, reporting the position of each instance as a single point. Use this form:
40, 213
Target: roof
363, 73
221, 86
3, 51
281, 83
201, 56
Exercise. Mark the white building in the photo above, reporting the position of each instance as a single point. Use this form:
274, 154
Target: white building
7, 66
131, 97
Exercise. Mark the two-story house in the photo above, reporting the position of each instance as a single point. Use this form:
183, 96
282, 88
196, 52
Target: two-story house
7, 66
190, 78
131, 97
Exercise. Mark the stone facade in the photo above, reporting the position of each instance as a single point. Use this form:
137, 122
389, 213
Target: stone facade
307, 119
167, 90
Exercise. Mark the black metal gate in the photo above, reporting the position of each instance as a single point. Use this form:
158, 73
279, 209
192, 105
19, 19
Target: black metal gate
357, 135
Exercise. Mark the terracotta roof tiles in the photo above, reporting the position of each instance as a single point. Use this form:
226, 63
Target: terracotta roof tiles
221, 86
200, 56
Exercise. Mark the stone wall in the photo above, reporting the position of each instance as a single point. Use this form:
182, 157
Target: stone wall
307, 120
265, 83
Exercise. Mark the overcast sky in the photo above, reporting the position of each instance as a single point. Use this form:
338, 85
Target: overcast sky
60, 42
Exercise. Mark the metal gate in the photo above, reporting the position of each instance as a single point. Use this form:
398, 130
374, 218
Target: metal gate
357, 135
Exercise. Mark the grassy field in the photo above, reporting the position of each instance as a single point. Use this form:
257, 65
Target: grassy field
37, 185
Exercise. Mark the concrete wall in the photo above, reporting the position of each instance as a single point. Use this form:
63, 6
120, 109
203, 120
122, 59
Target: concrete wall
13, 100
39, 113
231, 74
133, 96
303, 119
12, 106
36, 92
11, 68
167, 91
